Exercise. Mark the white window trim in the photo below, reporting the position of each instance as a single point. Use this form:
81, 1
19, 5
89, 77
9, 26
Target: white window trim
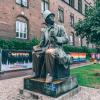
22, 3
72, 20
71, 40
61, 15
43, 5
20, 22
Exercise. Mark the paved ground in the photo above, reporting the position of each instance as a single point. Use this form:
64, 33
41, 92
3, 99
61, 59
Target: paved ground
9, 90
12, 74
80, 64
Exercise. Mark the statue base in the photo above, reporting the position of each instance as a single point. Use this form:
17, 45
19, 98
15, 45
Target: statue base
54, 89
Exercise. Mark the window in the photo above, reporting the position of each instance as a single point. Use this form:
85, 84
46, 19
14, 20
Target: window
80, 41
61, 15
71, 40
21, 29
71, 3
44, 5
18, 1
72, 20
67, 1
22, 2
80, 6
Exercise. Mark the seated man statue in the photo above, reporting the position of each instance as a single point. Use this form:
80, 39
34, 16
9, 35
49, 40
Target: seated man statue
49, 54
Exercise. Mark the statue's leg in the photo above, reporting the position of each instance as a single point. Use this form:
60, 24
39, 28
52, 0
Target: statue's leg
36, 66
42, 65
50, 61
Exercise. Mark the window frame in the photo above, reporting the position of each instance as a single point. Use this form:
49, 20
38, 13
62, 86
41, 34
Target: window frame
44, 5
80, 6
72, 39
21, 4
71, 42
72, 3
21, 28
72, 19
61, 10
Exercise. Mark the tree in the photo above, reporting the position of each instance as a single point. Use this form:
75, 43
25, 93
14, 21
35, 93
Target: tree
90, 26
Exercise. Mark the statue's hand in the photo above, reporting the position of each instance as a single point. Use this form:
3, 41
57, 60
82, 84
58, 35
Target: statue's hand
52, 40
54, 37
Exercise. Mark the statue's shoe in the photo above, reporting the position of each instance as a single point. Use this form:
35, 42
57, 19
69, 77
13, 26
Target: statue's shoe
33, 74
49, 78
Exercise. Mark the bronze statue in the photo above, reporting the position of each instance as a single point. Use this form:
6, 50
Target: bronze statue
49, 55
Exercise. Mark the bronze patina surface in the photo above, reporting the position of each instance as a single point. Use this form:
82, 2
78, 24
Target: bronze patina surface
51, 65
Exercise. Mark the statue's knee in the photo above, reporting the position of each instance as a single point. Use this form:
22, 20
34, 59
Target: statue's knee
50, 51
33, 52
47, 53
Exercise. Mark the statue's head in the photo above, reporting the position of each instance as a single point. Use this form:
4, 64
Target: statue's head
49, 17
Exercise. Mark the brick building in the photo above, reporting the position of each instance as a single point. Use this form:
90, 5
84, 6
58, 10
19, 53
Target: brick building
22, 19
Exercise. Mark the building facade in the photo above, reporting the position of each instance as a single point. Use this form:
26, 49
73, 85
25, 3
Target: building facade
22, 19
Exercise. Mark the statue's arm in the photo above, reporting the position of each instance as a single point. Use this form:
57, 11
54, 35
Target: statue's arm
42, 40
63, 37
41, 44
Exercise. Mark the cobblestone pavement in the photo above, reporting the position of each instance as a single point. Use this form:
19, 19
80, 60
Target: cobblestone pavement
9, 90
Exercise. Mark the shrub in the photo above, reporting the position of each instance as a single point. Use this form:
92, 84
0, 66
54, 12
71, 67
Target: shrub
16, 44
84, 49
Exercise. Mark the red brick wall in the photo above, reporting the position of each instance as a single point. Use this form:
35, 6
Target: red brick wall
9, 11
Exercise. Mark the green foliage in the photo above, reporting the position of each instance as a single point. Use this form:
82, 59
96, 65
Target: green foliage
87, 75
3, 44
35, 41
97, 3
84, 49
90, 26
16, 44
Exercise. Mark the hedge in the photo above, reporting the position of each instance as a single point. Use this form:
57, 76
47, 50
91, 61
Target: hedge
84, 49
16, 44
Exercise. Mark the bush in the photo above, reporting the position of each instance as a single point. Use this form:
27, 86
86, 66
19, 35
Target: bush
16, 44
84, 49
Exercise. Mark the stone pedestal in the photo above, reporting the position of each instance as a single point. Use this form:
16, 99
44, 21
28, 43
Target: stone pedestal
54, 89
39, 96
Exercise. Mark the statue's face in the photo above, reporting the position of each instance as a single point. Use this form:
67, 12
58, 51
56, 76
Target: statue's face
50, 20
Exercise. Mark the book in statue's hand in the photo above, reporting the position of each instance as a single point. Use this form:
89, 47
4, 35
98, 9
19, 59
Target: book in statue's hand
37, 48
